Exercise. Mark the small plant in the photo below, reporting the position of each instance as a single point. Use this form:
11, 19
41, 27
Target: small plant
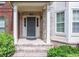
63, 51
7, 47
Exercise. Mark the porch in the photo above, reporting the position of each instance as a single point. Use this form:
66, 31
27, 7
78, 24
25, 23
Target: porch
30, 42
39, 29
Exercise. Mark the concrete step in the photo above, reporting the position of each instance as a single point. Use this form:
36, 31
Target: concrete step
30, 54
32, 50
33, 47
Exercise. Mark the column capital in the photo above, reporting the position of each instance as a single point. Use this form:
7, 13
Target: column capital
14, 7
49, 7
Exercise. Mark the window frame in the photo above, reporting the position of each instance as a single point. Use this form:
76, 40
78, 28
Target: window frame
59, 33
77, 21
4, 24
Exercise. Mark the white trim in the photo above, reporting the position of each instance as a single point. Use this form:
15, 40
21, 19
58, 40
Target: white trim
48, 24
38, 28
37, 34
15, 24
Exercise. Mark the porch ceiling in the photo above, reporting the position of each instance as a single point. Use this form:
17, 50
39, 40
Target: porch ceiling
30, 3
31, 6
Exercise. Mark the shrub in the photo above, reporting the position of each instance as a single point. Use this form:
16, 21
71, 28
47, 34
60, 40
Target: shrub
72, 55
7, 47
63, 51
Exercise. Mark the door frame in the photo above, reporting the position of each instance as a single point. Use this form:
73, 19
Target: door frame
37, 33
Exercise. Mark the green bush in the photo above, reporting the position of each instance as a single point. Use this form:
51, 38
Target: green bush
73, 55
7, 47
63, 51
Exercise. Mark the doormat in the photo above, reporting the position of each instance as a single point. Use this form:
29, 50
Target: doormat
31, 38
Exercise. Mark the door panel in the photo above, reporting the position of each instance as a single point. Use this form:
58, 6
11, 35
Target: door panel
31, 28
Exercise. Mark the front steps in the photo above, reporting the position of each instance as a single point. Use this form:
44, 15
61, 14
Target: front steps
31, 50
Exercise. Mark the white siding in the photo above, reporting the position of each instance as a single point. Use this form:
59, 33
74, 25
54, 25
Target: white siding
74, 4
57, 7
68, 7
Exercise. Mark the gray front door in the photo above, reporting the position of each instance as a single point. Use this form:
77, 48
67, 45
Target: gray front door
31, 28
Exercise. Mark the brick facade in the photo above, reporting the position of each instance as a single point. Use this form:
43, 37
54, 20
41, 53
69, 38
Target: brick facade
6, 12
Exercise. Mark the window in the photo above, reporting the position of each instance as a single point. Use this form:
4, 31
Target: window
2, 2
2, 24
60, 22
75, 22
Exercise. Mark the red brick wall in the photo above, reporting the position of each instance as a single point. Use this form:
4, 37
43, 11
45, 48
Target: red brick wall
6, 11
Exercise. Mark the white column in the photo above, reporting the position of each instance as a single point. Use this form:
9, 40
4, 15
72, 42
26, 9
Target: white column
48, 25
15, 24
70, 23
68, 16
